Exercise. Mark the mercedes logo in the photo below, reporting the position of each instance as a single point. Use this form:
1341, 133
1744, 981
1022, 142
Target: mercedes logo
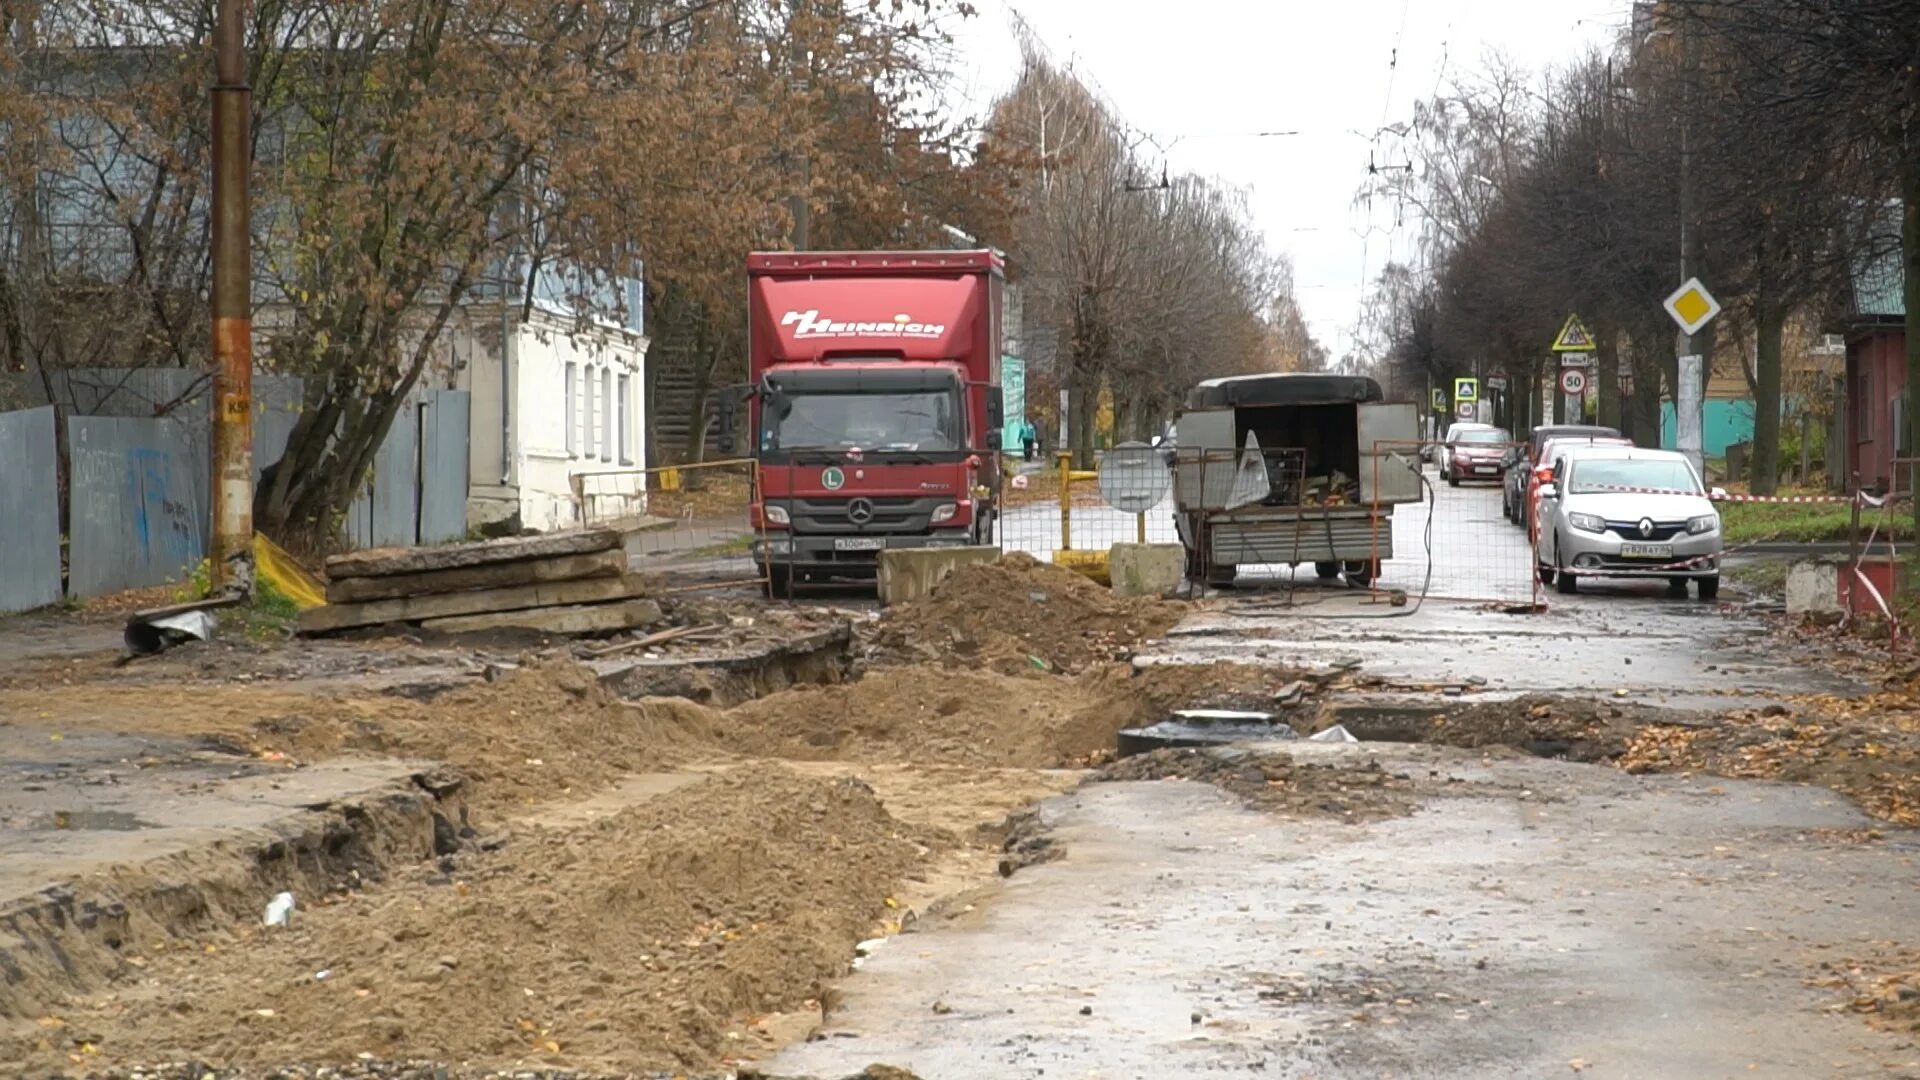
1646, 526
859, 511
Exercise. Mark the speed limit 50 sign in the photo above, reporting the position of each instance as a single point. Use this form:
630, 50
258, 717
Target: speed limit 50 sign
1573, 381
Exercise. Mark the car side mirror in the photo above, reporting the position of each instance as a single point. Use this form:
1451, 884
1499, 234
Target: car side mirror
1718, 493
1549, 490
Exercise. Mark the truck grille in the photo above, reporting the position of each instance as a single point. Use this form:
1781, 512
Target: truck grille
890, 514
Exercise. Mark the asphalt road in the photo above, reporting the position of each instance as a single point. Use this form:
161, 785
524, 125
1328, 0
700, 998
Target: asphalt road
1531, 918
1560, 919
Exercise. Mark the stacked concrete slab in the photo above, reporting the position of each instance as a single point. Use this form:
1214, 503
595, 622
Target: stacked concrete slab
560, 583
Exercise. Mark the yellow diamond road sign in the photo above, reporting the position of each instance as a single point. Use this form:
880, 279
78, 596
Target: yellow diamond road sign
1692, 306
1573, 337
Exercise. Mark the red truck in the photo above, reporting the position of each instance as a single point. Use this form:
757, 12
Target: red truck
874, 406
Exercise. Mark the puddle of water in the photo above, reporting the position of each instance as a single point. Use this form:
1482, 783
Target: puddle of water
86, 820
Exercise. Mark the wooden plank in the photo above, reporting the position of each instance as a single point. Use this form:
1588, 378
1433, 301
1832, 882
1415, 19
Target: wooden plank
384, 562
359, 590
578, 619
333, 617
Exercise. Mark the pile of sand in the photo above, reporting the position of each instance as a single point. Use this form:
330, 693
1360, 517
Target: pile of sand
630, 943
1007, 615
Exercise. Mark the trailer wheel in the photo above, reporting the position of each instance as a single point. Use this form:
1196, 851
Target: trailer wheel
1361, 572
1222, 577
1327, 571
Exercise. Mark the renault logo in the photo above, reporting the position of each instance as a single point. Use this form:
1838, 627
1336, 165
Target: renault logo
859, 511
1646, 526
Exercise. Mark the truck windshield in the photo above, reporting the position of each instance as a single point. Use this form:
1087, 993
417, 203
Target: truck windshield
918, 420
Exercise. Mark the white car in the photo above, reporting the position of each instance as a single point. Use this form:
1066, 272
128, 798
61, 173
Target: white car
1617, 511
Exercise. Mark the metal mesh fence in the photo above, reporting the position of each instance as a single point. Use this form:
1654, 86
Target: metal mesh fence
1470, 535
1074, 517
689, 524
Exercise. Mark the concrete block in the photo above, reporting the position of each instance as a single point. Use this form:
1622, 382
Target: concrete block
910, 573
1813, 588
1147, 569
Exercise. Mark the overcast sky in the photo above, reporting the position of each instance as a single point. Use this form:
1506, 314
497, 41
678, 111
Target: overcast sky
1201, 76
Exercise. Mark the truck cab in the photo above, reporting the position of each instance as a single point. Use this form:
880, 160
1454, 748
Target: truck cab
874, 407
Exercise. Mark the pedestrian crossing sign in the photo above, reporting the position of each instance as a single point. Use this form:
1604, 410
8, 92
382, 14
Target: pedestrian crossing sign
1466, 390
1573, 337
1439, 400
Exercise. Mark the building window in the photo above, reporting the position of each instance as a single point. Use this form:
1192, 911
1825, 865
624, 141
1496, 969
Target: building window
606, 414
586, 418
573, 409
623, 402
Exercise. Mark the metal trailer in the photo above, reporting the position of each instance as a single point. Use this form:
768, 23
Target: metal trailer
1292, 469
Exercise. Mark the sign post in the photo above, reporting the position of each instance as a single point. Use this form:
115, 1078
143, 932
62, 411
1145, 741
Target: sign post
1692, 308
1574, 346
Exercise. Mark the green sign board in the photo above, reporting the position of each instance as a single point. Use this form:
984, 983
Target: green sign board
1013, 394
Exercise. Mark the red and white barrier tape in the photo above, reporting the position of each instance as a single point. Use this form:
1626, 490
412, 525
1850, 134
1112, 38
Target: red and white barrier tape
1618, 489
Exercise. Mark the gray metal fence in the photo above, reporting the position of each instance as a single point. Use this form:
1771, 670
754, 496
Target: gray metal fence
137, 496
136, 513
30, 523
446, 419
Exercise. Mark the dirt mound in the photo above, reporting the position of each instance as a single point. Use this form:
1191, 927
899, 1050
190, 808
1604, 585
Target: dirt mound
535, 732
933, 715
634, 942
1347, 790
1007, 615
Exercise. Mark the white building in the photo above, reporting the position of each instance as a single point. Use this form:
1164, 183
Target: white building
563, 399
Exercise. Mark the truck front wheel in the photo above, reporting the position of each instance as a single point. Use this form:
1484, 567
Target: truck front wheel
779, 582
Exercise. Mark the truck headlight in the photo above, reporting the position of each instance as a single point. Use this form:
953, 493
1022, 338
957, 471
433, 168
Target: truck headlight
1705, 523
1592, 523
777, 515
945, 512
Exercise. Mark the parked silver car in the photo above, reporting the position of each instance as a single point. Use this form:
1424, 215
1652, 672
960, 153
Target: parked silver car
1624, 512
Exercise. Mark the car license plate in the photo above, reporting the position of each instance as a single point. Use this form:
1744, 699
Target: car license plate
1646, 551
859, 543
1484, 470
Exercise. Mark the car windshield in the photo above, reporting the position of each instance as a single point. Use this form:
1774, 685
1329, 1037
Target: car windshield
1612, 474
917, 420
1483, 435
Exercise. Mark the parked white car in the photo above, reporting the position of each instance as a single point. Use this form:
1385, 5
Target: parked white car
1615, 511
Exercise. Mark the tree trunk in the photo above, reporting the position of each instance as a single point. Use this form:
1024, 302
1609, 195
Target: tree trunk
1910, 263
1770, 323
1607, 373
705, 356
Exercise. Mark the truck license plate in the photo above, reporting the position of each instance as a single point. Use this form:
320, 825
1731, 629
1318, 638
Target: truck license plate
1647, 551
859, 543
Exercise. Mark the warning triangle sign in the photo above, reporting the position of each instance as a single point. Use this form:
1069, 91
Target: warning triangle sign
1573, 337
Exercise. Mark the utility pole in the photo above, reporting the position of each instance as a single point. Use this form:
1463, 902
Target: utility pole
232, 305
797, 205
1688, 397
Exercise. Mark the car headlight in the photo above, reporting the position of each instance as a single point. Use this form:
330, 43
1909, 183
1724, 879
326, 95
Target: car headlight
1587, 522
777, 515
1705, 523
945, 512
